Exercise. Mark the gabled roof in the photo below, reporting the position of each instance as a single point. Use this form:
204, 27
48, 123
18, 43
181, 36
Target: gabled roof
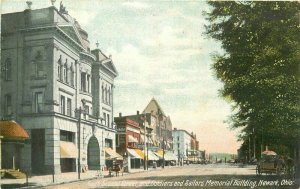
71, 32
155, 107
105, 61
110, 66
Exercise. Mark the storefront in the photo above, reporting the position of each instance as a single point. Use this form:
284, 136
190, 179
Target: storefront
13, 138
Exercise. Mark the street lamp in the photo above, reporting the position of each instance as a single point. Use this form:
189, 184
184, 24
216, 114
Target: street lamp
144, 122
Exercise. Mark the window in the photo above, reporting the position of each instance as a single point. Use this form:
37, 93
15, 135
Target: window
108, 122
8, 105
39, 67
104, 117
67, 136
59, 69
38, 102
72, 77
102, 93
178, 138
65, 74
87, 109
8, 69
105, 95
108, 96
108, 143
83, 81
88, 83
62, 105
178, 145
117, 140
69, 107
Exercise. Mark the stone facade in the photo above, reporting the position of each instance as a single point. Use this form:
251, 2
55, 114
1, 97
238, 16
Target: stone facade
50, 77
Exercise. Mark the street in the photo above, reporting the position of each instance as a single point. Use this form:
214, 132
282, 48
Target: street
200, 176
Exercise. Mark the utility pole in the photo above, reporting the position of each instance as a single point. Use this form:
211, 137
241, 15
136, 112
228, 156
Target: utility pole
79, 130
144, 142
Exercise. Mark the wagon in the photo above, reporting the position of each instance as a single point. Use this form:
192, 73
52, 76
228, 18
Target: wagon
270, 163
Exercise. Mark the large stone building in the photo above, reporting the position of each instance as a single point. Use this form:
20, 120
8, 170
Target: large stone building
186, 145
55, 86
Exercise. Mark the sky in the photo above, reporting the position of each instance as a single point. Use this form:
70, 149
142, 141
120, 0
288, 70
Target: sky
160, 51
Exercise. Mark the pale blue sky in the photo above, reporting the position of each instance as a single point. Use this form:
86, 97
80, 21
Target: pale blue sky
159, 51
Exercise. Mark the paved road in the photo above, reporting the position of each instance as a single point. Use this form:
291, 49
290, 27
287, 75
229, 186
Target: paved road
196, 176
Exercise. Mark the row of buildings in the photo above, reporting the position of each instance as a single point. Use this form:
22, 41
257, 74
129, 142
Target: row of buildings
57, 102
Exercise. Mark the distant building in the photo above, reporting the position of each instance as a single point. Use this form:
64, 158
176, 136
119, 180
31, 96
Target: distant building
162, 125
185, 145
50, 78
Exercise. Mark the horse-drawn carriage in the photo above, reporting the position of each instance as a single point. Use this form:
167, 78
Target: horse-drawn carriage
271, 163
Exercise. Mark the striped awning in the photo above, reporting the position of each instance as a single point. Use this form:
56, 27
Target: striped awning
133, 153
151, 155
110, 154
132, 139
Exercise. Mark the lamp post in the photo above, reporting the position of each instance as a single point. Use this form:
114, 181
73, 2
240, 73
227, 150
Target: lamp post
163, 166
79, 112
79, 130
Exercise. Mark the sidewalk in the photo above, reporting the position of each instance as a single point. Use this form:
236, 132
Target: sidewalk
45, 180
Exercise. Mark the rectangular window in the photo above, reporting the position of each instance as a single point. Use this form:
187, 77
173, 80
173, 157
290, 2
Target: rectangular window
87, 109
104, 118
177, 138
83, 82
72, 78
8, 105
69, 107
178, 146
38, 102
62, 105
67, 136
117, 140
88, 83
65, 74
108, 121
59, 72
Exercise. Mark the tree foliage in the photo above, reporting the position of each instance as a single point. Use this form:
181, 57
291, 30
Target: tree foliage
260, 67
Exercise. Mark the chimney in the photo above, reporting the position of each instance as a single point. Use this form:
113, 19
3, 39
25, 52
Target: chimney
137, 112
120, 114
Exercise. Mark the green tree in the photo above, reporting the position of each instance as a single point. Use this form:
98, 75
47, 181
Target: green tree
260, 68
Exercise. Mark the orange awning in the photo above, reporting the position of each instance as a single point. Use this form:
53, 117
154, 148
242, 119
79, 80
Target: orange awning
12, 130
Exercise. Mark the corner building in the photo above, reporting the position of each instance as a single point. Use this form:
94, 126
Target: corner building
55, 86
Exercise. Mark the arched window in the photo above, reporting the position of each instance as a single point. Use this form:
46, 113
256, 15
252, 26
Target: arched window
65, 68
109, 96
72, 75
59, 71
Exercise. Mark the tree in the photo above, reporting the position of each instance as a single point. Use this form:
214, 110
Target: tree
260, 68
